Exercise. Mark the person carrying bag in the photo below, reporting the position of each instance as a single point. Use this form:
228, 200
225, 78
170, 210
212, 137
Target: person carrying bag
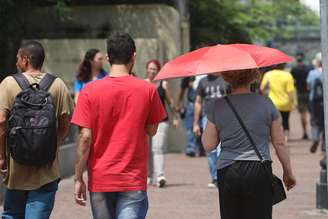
247, 187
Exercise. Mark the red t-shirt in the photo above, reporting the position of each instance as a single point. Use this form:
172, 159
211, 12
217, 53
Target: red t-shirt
117, 111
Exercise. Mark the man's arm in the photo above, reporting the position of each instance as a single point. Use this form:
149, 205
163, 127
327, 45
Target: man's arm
180, 99
291, 96
63, 128
83, 151
197, 112
76, 97
151, 129
3, 130
291, 89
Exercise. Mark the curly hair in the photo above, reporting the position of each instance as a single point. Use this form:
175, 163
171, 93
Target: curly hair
240, 78
84, 72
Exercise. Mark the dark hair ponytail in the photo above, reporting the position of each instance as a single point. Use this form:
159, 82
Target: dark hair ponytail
84, 72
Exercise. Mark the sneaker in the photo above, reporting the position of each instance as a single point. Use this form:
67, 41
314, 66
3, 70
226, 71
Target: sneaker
191, 154
161, 182
213, 184
305, 136
314, 147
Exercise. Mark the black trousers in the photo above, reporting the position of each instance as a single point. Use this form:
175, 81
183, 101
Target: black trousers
285, 120
245, 191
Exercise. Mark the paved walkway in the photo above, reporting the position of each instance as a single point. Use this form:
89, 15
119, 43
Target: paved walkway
187, 195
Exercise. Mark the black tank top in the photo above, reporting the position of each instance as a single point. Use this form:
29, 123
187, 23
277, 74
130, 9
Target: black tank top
162, 95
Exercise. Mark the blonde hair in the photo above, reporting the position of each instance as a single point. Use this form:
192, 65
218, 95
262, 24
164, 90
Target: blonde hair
241, 78
317, 61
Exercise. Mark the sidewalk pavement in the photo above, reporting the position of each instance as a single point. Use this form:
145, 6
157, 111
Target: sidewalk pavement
187, 196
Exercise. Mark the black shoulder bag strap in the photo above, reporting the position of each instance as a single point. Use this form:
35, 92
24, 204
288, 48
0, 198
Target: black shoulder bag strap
278, 190
47, 81
244, 128
21, 81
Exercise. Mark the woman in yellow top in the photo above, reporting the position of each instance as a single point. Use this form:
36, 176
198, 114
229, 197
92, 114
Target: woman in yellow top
279, 86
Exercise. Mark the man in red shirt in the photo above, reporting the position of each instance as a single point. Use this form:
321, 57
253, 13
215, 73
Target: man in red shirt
115, 116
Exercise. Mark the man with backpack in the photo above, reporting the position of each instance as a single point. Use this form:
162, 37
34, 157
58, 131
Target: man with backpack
34, 120
314, 82
300, 73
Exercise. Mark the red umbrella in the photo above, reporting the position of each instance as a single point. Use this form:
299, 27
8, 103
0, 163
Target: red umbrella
222, 58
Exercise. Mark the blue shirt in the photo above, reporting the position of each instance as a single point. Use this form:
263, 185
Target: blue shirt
78, 84
313, 75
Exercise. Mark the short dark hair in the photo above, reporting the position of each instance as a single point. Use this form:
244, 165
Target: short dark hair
35, 53
120, 48
300, 56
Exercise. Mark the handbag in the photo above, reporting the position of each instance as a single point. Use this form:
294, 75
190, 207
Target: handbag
278, 190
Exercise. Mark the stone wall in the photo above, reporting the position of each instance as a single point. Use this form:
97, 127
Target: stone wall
156, 28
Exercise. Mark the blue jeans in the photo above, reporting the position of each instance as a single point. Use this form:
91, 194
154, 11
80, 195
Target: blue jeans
119, 205
33, 204
212, 157
191, 141
191, 146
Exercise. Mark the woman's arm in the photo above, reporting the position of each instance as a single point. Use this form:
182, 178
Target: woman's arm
279, 144
77, 89
76, 97
210, 138
170, 102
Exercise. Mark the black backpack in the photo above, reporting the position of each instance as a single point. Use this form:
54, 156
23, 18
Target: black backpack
317, 90
32, 125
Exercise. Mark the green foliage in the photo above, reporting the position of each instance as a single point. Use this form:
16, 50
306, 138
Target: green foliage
226, 21
13, 28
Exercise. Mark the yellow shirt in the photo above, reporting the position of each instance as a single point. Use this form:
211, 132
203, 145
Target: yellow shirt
280, 85
22, 177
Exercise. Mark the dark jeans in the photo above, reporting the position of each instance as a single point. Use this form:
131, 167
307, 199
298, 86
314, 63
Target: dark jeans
245, 191
119, 205
285, 120
34, 204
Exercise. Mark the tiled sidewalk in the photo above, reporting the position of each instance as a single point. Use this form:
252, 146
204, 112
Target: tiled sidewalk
187, 195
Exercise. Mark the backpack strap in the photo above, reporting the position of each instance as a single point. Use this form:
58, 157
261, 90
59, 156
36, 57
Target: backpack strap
47, 81
21, 81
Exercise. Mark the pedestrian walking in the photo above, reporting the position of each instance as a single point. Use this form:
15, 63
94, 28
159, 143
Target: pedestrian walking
279, 86
209, 89
314, 82
91, 68
115, 116
35, 109
244, 122
160, 140
300, 73
186, 109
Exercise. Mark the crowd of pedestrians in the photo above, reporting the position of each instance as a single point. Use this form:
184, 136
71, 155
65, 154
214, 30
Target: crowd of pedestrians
123, 123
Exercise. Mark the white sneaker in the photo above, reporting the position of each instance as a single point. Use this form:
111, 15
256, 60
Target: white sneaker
212, 184
161, 182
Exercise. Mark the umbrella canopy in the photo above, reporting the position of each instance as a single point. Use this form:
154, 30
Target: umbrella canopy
222, 58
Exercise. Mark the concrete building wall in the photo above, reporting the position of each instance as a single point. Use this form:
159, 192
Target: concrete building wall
63, 56
159, 30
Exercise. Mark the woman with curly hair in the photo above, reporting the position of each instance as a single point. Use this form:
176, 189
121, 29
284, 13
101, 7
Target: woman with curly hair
90, 69
245, 187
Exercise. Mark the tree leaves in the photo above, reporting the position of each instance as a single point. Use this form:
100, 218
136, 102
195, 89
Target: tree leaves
226, 21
